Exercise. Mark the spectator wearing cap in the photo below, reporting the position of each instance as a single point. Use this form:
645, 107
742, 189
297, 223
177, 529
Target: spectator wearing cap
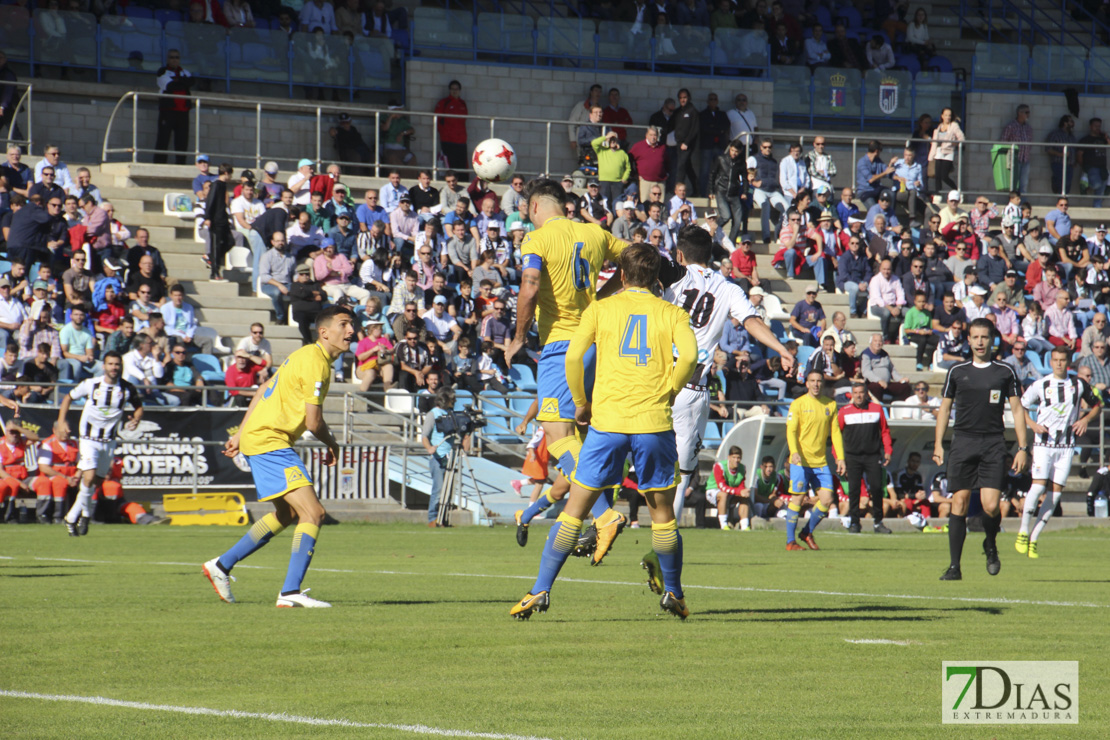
1013, 249
1015, 295
807, 316
242, 373
348, 142
1099, 245
962, 290
404, 225
268, 188
442, 325
992, 266
951, 210
344, 237
650, 156
592, 206
976, 306
910, 181
886, 300
1045, 258
333, 271
203, 175
745, 271
624, 222
392, 192
870, 172
340, 202
885, 208
300, 182
614, 168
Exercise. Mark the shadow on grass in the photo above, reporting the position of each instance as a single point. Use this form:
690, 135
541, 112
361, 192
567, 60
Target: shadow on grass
41, 575
428, 602
1069, 580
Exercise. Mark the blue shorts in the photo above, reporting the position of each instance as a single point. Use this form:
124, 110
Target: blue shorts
803, 479
601, 461
278, 472
551, 382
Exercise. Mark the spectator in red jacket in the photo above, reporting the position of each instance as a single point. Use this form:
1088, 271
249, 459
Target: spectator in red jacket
451, 130
650, 155
614, 113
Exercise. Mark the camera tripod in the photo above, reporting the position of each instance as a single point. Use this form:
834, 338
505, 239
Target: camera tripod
452, 482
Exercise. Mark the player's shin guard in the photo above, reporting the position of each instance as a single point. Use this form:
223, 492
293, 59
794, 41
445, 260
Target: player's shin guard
667, 544
304, 542
258, 535
793, 510
603, 504
1049, 506
80, 506
957, 533
537, 507
816, 514
561, 541
680, 494
1030, 509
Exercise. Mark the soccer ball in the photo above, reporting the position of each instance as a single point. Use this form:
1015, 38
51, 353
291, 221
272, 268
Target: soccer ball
494, 160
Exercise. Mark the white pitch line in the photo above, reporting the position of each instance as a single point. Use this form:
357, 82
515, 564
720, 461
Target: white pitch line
748, 589
877, 641
269, 717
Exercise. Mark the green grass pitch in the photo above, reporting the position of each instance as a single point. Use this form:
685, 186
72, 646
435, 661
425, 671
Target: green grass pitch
420, 635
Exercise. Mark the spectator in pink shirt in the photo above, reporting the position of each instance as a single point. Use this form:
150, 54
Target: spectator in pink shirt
98, 226
333, 271
1045, 291
885, 299
1061, 323
1006, 321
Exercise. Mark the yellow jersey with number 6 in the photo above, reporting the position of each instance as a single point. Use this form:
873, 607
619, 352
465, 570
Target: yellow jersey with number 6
636, 335
278, 420
569, 257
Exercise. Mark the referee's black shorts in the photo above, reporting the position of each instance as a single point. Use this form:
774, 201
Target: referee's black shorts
976, 461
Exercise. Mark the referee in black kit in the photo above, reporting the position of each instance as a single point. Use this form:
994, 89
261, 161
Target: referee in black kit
978, 389
867, 448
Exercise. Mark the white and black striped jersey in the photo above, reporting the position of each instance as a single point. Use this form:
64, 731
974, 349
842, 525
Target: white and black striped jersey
104, 407
1058, 402
711, 301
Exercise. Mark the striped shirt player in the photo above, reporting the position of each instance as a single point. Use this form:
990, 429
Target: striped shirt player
710, 300
1058, 399
105, 398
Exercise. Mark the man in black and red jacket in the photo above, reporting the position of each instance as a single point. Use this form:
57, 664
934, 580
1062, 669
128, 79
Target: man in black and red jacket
866, 443
173, 112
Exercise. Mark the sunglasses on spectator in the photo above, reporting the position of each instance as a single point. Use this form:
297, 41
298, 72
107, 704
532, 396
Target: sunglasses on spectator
256, 331
179, 351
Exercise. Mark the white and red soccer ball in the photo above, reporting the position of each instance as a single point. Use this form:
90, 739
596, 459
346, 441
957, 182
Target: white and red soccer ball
494, 160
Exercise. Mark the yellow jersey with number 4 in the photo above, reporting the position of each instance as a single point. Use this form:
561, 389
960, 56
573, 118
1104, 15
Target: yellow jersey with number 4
569, 257
636, 335
278, 420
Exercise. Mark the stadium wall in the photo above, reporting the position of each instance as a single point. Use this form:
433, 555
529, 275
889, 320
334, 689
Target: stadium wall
550, 93
989, 112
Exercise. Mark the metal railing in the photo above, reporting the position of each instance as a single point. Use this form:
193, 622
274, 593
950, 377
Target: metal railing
23, 105
208, 400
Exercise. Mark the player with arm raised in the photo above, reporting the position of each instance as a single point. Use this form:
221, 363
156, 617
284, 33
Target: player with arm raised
1055, 431
292, 402
106, 396
978, 390
636, 336
710, 300
561, 262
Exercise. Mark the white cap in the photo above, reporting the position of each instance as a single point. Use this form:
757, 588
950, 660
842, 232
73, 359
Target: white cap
517, 226
813, 288
756, 291
978, 290
954, 195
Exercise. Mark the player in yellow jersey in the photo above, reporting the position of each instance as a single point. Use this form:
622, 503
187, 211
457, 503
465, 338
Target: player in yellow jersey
562, 260
809, 424
636, 336
291, 402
